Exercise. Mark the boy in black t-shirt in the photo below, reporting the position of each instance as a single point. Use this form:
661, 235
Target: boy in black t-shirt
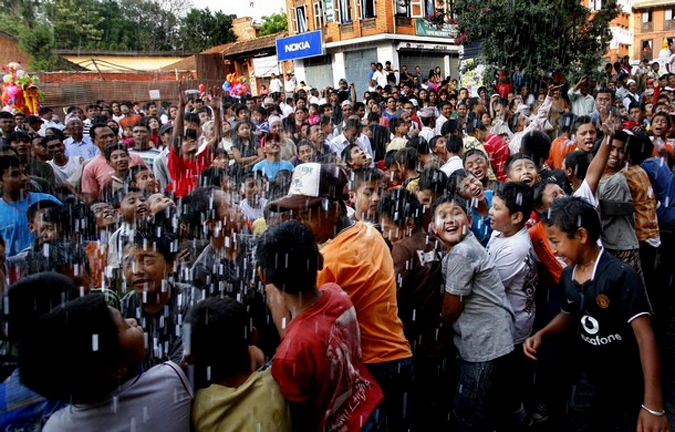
605, 299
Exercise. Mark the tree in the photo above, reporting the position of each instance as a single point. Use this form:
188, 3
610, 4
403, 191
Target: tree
275, 23
201, 29
536, 37
75, 23
39, 43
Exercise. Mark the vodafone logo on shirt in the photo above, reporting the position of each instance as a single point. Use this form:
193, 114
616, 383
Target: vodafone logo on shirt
591, 326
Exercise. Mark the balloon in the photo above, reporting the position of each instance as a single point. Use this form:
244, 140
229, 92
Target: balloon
226, 86
202, 88
7, 78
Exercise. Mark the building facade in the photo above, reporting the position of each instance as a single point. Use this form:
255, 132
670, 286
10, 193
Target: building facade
358, 32
653, 28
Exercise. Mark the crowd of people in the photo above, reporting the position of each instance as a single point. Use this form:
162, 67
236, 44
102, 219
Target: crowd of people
419, 258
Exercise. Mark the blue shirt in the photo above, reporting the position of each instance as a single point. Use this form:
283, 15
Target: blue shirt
480, 226
14, 222
664, 189
84, 148
22, 408
270, 169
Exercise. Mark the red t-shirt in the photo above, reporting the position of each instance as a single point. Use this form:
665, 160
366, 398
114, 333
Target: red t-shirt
319, 367
185, 173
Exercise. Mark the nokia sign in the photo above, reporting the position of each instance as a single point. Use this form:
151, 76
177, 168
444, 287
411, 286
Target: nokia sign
300, 46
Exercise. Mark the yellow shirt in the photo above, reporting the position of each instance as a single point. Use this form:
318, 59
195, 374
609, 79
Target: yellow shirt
256, 405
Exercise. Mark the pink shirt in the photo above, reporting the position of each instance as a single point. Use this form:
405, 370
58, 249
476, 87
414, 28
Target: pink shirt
97, 173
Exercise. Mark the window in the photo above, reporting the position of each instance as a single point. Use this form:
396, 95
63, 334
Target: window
318, 15
595, 5
647, 16
669, 14
345, 11
329, 11
417, 9
647, 46
301, 19
366, 8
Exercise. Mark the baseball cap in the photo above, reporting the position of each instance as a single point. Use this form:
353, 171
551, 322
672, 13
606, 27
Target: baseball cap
342, 80
346, 103
310, 185
629, 82
165, 128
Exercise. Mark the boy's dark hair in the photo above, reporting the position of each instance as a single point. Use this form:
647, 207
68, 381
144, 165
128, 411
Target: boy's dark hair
408, 157
346, 154
638, 147
83, 328
420, 144
360, 176
18, 137
118, 196
518, 197
133, 172
451, 198
537, 145
58, 256
516, 157
114, 147
580, 121
433, 179
475, 151
449, 127
455, 179
197, 207
565, 122
32, 296
390, 158
219, 330
7, 162
73, 217
454, 144
192, 118
578, 161
159, 237
289, 257
570, 213
399, 205
49, 138
40, 205
394, 123
213, 176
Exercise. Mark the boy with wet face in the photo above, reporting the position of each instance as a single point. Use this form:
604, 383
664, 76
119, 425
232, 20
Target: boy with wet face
607, 303
475, 300
101, 370
365, 191
157, 302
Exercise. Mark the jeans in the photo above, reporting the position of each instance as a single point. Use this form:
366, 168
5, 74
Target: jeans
598, 408
481, 392
377, 422
396, 379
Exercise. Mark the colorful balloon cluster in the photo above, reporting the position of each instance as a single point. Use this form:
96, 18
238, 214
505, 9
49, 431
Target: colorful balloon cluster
236, 87
20, 91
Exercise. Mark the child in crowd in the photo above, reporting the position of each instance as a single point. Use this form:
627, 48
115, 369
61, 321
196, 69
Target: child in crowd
253, 204
272, 164
100, 376
407, 162
605, 300
474, 300
354, 158
521, 168
471, 189
117, 157
141, 177
365, 190
318, 364
217, 337
477, 163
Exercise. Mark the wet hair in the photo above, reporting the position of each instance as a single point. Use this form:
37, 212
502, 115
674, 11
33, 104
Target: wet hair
58, 256
565, 122
133, 172
73, 217
518, 197
346, 154
7, 162
472, 152
570, 213
118, 196
219, 334
114, 147
32, 296
537, 145
578, 161
420, 144
580, 121
449, 127
48, 138
18, 137
407, 157
213, 176
451, 198
454, 144
434, 180
455, 179
363, 175
197, 207
160, 237
516, 157
34, 208
399, 205
81, 376
638, 148
288, 256
394, 123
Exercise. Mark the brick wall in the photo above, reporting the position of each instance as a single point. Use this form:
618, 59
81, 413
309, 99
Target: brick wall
10, 52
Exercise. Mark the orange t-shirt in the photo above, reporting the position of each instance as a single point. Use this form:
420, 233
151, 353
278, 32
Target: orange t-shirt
560, 147
359, 261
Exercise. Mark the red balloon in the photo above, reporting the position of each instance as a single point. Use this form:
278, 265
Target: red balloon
202, 88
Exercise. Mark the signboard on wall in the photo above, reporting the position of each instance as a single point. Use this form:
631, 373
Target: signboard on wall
425, 28
303, 45
265, 66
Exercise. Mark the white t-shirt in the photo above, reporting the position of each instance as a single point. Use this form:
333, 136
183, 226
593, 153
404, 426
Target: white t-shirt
253, 213
156, 400
585, 192
63, 173
671, 63
275, 85
515, 262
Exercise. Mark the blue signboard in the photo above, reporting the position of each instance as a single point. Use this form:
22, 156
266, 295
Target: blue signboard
300, 46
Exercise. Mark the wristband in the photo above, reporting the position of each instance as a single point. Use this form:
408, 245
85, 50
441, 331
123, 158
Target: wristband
654, 413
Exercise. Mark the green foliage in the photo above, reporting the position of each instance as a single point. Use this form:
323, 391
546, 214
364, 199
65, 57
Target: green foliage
536, 37
202, 29
274, 23
39, 43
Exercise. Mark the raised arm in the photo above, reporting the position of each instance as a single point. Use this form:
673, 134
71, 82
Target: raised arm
574, 92
597, 166
216, 103
177, 136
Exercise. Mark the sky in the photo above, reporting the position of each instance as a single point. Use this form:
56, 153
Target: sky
243, 8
